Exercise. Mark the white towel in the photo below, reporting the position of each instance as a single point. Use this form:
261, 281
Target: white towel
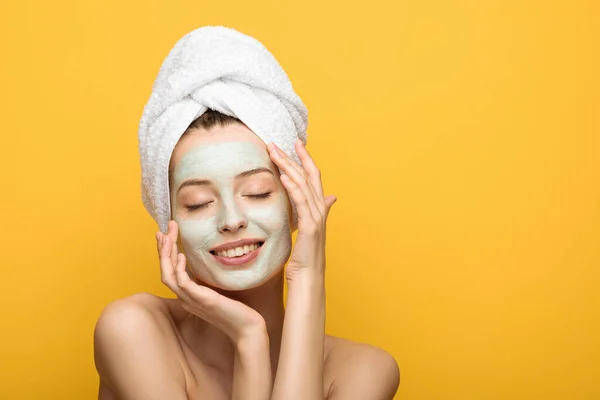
224, 70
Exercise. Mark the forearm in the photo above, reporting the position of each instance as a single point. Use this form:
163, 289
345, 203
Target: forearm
300, 368
252, 378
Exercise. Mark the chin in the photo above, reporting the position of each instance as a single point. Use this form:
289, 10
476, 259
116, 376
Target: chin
236, 280
239, 282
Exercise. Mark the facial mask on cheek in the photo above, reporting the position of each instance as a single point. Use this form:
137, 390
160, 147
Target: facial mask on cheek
198, 236
267, 220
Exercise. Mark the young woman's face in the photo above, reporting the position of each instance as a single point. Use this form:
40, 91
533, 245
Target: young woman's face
224, 188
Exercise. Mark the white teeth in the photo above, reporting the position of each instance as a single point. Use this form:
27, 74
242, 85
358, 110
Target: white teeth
238, 251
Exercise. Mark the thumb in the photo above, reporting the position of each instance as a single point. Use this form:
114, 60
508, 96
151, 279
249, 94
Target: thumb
329, 201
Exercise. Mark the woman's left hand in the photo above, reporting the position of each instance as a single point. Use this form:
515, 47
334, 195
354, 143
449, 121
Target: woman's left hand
303, 184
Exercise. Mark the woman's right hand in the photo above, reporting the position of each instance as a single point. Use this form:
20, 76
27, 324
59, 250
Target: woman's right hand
235, 319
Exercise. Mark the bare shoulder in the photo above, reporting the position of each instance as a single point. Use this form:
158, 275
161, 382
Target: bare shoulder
133, 345
360, 371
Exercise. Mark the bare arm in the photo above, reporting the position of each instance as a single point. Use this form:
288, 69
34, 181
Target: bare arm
252, 378
361, 371
131, 355
300, 369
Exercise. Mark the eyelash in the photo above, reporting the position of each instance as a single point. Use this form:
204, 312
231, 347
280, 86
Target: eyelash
256, 196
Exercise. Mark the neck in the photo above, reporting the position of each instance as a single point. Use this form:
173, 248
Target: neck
213, 344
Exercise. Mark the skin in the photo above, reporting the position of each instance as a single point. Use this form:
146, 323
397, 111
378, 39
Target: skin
222, 339
226, 202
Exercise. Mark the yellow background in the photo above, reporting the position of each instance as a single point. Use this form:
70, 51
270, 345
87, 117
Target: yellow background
461, 138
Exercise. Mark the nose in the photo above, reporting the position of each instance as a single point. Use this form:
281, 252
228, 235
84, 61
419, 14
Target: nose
231, 218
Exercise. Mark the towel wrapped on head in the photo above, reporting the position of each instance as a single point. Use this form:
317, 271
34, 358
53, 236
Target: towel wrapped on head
221, 69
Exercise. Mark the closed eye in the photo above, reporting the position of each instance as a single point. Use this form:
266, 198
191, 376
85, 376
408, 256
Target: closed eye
198, 206
259, 196
253, 196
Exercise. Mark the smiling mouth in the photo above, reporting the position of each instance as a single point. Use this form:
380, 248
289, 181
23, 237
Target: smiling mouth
238, 252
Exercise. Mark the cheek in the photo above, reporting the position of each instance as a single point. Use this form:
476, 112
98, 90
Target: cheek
272, 217
197, 234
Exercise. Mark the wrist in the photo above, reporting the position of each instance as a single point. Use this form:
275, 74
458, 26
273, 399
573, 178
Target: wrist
252, 346
306, 280
304, 275
306, 295
253, 335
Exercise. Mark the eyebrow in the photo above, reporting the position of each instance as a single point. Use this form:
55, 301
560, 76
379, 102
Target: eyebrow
200, 182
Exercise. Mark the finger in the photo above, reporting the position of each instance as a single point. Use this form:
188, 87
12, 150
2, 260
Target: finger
182, 279
317, 192
172, 233
166, 266
306, 221
194, 293
159, 241
299, 177
314, 177
277, 152
308, 171
314, 174
180, 273
329, 201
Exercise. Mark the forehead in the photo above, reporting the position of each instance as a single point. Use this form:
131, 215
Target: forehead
232, 133
223, 150
222, 157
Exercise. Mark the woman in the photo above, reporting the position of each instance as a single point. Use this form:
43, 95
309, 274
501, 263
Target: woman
226, 334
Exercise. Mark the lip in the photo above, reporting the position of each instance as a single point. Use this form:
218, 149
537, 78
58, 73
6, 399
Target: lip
237, 243
234, 262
